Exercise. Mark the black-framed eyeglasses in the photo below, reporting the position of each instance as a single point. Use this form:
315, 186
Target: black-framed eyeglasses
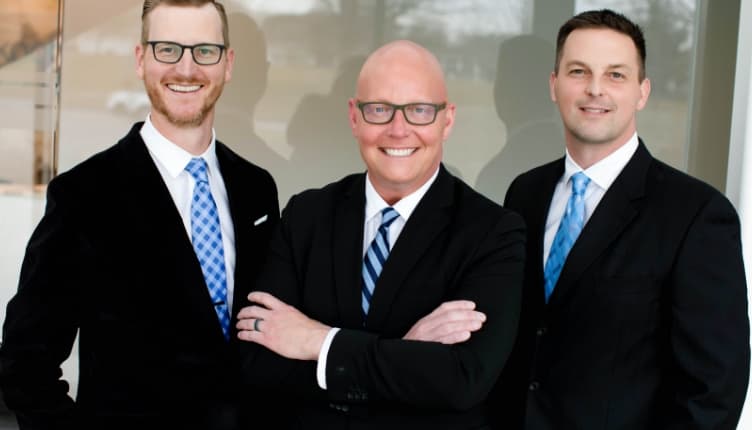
415, 113
204, 54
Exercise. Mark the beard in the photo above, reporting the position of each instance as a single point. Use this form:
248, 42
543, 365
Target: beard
180, 119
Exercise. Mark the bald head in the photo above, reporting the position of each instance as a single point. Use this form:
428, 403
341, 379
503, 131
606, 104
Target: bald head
401, 79
405, 61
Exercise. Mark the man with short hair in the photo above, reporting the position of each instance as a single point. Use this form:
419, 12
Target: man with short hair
635, 306
143, 250
375, 283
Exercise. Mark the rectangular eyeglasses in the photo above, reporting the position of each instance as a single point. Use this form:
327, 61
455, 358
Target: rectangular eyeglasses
415, 113
204, 54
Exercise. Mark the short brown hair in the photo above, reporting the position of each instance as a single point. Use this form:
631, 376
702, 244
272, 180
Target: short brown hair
150, 5
606, 19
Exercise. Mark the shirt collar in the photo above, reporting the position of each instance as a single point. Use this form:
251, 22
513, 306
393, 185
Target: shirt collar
171, 156
404, 207
604, 172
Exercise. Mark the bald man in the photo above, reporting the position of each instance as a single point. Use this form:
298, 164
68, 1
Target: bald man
376, 282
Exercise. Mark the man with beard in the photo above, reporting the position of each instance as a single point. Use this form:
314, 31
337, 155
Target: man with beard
143, 250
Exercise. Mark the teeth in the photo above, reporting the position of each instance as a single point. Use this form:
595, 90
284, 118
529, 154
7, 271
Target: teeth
399, 152
184, 88
594, 110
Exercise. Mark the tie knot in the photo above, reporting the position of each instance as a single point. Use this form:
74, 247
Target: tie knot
197, 168
388, 215
580, 182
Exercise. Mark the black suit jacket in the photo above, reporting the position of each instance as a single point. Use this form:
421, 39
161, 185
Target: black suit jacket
111, 259
456, 245
647, 326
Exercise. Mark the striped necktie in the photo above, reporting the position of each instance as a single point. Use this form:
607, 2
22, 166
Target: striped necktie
375, 257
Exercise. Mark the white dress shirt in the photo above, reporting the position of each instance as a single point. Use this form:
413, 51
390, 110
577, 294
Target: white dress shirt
374, 205
602, 174
171, 160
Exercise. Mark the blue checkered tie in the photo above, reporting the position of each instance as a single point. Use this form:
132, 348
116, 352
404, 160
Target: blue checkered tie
206, 236
375, 257
569, 228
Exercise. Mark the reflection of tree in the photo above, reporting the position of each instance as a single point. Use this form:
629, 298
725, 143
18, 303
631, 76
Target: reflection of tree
28, 41
669, 28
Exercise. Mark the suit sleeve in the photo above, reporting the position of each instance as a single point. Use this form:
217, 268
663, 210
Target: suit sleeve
279, 377
364, 367
709, 324
41, 323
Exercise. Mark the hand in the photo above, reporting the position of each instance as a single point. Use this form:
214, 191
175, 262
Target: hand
280, 328
450, 323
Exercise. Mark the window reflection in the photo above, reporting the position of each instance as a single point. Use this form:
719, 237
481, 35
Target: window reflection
286, 107
296, 66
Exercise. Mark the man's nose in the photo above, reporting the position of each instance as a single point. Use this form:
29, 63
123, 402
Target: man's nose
186, 65
399, 125
594, 87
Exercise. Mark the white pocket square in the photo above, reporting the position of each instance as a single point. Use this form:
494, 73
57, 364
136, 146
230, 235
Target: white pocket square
260, 220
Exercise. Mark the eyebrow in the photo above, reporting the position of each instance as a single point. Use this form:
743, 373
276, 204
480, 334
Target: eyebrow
610, 66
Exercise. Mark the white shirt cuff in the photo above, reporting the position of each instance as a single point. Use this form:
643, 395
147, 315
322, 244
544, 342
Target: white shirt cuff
321, 365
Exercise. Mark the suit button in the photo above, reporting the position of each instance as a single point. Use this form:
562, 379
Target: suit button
534, 386
541, 331
340, 369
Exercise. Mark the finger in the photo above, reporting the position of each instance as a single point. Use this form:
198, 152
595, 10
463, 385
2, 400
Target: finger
265, 299
425, 327
252, 311
249, 323
457, 337
456, 327
462, 315
252, 336
456, 305
245, 324
433, 322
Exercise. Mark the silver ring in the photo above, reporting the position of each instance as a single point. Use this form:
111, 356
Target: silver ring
256, 324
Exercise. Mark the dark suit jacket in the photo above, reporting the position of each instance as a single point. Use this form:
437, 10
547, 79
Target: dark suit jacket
456, 245
647, 326
111, 259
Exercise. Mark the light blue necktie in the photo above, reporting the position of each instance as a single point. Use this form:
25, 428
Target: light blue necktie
569, 228
206, 236
375, 257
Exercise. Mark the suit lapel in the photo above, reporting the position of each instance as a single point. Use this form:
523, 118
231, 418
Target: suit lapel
241, 219
429, 218
347, 251
541, 203
149, 205
615, 211
146, 197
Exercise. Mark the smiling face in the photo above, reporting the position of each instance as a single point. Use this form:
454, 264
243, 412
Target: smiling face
401, 157
183, 94
598, 90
